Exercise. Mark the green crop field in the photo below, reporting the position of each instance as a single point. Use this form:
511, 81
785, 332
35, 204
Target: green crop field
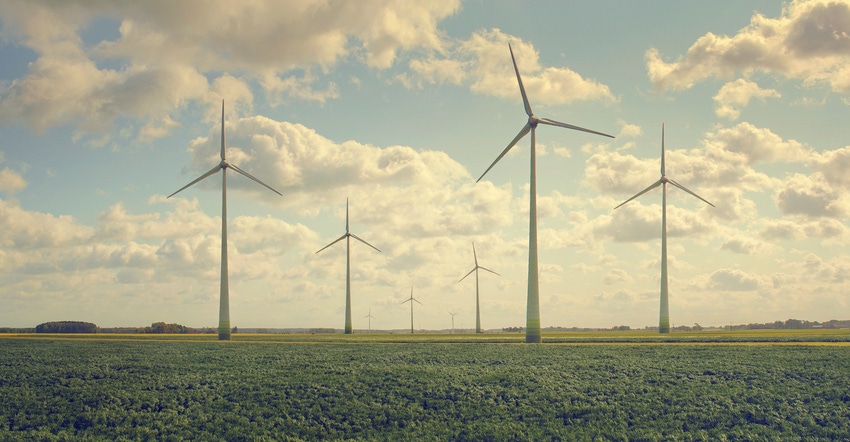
576, 386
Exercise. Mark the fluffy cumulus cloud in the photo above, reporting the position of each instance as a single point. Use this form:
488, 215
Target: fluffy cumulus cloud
733, 280
757, 144
833, 165
483, 62
164, 53
809, 41
736, 95
10, 180
812, 196
426, 193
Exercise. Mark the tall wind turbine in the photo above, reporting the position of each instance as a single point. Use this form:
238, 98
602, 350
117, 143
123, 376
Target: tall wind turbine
370, 320
224, 295
475, 269
411, 299
664, 316
532, 326
347, 236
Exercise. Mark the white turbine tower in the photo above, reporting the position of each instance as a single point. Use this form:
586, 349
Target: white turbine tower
532, 329
224, 295
475, 269
664, 315
370, 319
411, 299
347, 237
453, 321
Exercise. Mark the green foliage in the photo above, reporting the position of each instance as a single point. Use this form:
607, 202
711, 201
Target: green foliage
207, 390
66, 327
163, 328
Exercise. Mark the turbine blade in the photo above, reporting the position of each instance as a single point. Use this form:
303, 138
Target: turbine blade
516, 139
570, 126
662, 150
364, 242
483, 268
346, 215
470, 272
686, 190
234, 167
474, 255
212, 171
652, 186
406, 300
335, 241
417, 301
519, 80
222, 129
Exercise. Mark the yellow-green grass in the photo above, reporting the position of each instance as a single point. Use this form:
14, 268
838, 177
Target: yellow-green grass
738, 337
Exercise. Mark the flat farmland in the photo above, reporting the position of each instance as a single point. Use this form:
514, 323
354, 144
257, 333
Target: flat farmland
575, 386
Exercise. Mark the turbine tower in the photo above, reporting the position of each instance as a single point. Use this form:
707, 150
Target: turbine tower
532, 326
664, 315
475, 269
453, 321
370, 319
224, 295
347, 236
411, 299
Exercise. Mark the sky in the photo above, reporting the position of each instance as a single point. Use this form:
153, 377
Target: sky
108, 107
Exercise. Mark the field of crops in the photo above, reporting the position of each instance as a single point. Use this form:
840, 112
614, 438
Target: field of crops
437, 387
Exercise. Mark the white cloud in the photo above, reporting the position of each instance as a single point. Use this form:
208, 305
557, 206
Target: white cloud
733, 280
833, 165
757, 144
801, 229
811, 196
746, 245
617, 276
736, 95
810, 42
11, 181
166, 51
493, 73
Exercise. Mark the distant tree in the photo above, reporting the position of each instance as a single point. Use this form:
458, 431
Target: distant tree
697, 327
163, 328
66, 327
793, 324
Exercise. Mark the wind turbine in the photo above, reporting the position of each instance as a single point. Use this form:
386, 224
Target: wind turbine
411, 299
664, 316
347, 236
453, 321
475, 269
532, 328
370, 319
224, 295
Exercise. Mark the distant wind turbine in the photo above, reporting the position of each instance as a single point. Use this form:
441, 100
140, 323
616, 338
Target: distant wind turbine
532, 329
347, 237
453, 321
370, 319
224, 296
475, 269
411, 299
664, 316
